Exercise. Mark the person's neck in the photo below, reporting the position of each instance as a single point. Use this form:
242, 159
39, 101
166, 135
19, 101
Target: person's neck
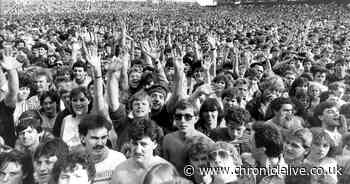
295, 161
313, 159
51, 115
329, 128
32, 147
146, 163
99, 158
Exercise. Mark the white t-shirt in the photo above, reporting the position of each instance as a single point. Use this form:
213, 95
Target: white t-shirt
70, 131
104, 169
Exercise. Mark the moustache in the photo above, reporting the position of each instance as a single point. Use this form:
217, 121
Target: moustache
98, 147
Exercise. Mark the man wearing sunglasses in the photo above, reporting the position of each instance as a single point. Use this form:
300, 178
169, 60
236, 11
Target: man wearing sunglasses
175, 144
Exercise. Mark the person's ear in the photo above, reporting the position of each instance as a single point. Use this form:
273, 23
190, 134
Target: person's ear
82, 140
320, 117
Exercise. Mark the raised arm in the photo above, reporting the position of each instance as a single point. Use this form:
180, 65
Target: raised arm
10, 64
95, 61
113, 76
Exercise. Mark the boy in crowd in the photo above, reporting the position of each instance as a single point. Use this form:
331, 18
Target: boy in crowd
145, 138
74, 168
45, 157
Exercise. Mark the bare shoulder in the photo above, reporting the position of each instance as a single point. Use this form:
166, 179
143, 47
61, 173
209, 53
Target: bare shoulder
170, 137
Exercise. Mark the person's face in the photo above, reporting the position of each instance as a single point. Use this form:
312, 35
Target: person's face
219, 86
185, 118
49, 107
142, 150
43, 167
330, 116
95, 141
235, 131
134, 79
42, 51
221, 158
77, 175
170, 73
80, 104
158, 100
271, 94
339, 92
241, 70
333, 98
286, 112
199, 160
340, 69
229, 102
66, 99
11, 174
42, 84
79, 73
314, 91
259, 70
293, 149
242, 90
211, 117
23, 93
289, 79
320, 149
140, 108
28, 137
320, 77
198, 75
307, 66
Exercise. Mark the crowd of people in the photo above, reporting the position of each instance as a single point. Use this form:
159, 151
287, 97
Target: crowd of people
137, 96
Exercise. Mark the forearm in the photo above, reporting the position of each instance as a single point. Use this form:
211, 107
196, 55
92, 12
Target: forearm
113, 91
13, 86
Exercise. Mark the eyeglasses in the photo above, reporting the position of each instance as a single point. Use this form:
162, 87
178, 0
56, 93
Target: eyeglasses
188, 117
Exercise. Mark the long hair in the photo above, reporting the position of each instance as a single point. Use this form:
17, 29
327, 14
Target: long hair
210, 104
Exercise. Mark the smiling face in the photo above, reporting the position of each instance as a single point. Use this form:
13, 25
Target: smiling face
330, 116
80, 104
141, 108
293, 149
158, 100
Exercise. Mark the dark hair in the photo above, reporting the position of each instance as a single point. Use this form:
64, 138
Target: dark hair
91, 121
25, 80
210, 104
229, 92
24, 159
53, 147
184, 104
301, 81
325, 95
237, 116
145, 128
30, 118
222, 78
76, 91
70, 161
269, 137
277, 103
318, 111
79, 64
53, 96
318, 69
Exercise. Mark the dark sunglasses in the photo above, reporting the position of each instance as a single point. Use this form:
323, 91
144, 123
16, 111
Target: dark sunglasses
178, 117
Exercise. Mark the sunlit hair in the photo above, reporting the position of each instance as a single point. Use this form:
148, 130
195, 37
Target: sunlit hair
69, 162
23, 159
319, 136
197, 146
160, 173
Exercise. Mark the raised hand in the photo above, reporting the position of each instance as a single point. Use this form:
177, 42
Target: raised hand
212, 40
9, 62
91, 52
206, 63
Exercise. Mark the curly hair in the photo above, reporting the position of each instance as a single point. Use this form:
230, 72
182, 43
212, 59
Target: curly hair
146, 128
70, 161
268, 136
237, 116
